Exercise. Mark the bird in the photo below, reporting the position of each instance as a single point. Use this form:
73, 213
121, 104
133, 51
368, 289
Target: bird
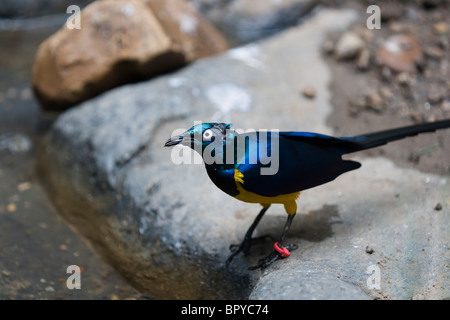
274, 167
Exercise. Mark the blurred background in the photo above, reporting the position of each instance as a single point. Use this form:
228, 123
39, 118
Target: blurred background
371, 88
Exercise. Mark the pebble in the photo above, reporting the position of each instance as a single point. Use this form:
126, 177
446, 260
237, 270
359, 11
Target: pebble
401, 53
50, 289
369, 250
363, 60
6, 273
438, 207
375, 102
441, 28
309, 92
348, 46
371, 101
386, 93
396, 27
11, 207
24, 186
434, 52
403, 78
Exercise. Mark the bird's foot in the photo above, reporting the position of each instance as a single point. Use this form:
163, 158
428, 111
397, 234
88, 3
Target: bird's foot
280, 252
245, 246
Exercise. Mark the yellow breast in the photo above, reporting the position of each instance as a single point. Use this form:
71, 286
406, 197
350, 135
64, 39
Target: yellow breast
288, 200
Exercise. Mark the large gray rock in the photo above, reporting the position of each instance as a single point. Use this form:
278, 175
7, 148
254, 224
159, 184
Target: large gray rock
250, 20
379, 219
167, 228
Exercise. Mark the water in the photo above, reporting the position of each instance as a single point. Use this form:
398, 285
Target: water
36, 244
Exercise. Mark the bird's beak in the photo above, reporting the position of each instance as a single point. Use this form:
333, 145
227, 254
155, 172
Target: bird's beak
174, 141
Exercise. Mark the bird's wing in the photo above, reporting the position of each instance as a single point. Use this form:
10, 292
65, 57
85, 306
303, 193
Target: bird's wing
298, 160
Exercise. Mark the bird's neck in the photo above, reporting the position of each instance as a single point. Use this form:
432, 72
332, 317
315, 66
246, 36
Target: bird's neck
223, 177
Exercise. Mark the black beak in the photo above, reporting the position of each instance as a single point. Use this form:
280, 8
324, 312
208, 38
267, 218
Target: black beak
174, 141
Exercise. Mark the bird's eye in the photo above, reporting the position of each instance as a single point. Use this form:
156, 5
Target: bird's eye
207, 135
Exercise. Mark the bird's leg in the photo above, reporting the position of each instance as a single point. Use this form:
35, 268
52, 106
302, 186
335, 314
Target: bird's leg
244, 246
280, 251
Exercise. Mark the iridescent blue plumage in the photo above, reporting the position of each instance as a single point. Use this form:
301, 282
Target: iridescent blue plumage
274, 167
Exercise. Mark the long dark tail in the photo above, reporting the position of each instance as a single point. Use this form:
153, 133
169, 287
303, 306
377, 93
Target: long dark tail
371, 140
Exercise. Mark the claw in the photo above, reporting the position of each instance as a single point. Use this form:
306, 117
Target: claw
274, 256
244, 247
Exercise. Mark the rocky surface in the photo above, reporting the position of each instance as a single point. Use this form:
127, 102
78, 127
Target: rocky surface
167, 229
127, 40
409, 86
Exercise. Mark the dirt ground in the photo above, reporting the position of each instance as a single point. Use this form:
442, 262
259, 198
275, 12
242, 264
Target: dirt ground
368, 96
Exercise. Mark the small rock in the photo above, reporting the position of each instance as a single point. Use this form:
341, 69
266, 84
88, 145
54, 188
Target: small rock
128, 40
441, 28
438, 207
386, 73
370, 102
396, 27
400, 53
369, 250
403, 78
309, 92
386, 93
417, 117
6, 273
374, 103
348, 46
24, 186
363, 60
434, 52
11, 207
50, 289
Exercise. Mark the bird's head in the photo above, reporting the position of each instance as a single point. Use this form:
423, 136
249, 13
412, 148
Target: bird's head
201, 135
